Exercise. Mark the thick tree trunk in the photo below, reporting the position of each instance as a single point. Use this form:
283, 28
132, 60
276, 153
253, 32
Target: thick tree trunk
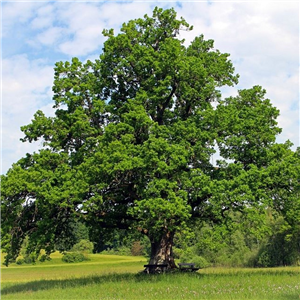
161, 250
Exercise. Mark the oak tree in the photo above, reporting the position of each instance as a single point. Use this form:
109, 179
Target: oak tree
132, 140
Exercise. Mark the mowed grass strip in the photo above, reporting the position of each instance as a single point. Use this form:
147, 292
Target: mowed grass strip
113, 277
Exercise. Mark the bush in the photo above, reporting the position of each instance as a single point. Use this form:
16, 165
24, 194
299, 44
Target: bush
200, 262
30, 258
44, 257
72, 257
186, 255
281, 249
122, 250
83, 246
177, 252
20, 261
264, 260
189, 257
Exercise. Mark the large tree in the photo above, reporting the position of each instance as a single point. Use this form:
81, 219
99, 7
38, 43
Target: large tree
131, 143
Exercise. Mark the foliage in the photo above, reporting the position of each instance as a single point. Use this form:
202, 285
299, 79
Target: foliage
44, 257
122, 242
239, 246
280, 248
72, 257
189, 257
122, 250
30, 258
131, 143
84, 246
20, 261
78, 252
73, 233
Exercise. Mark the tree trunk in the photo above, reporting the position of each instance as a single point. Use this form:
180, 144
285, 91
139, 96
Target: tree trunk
161, 250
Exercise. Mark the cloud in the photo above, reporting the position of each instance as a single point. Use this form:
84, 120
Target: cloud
263, 42
16, 13
85, 23
262, 39
45, 17
283, 91
26, 87
51, 36
22, 76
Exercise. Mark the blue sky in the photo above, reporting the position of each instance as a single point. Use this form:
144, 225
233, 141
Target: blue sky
262, 38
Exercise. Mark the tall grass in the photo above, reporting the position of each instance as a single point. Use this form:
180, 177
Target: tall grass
118, 277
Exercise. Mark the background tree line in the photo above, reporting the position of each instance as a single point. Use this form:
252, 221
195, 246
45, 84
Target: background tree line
240, 245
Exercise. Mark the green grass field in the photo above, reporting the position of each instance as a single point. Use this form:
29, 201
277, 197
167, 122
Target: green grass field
119, 277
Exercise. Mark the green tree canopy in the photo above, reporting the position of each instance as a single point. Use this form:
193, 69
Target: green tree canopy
131, 142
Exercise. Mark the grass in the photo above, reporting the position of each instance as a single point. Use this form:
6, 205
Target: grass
108, 277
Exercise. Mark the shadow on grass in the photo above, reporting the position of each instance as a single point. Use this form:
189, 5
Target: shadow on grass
39, 285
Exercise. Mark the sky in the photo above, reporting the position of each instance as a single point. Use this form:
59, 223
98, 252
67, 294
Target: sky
262, 38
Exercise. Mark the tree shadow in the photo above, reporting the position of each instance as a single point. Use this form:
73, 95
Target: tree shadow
39, 285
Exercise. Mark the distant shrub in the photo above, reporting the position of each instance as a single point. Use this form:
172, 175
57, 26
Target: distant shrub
83, 246
72, 257
189, 257
20, 261
280, 249
264, 260
30, 258
122, 250
177, 252
186, 255
44, 257
200, 262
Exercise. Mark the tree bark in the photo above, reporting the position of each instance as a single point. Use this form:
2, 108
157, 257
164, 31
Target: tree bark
161, 250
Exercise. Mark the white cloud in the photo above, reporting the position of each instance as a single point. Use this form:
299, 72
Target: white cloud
16, 13
262, 38
85, 23
50, 36
263, 41
22, 76
85, 41
45, 16
83, 27
284, 94
115, 14
26, 87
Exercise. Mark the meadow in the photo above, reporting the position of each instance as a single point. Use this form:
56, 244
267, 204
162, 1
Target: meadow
111, 277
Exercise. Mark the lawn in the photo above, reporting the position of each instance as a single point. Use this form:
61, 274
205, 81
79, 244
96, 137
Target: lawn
119, 277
